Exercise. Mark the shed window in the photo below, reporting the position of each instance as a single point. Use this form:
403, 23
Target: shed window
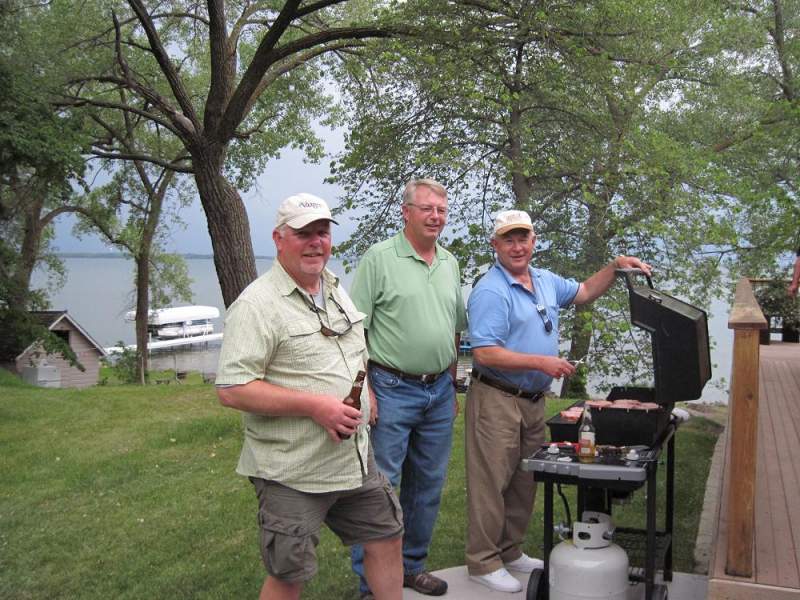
63, 334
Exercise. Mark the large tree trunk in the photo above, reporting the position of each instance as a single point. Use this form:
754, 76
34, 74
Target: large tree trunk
228, 226
29, 251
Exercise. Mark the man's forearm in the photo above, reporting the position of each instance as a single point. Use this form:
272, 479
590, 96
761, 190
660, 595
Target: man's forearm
597, 285
502, 358
264, 398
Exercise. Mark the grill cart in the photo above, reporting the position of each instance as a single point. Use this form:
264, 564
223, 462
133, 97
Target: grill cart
631, 438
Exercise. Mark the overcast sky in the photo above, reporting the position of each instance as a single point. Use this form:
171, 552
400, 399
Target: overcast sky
283, 177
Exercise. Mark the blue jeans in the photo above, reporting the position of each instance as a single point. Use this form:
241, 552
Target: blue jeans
411, 441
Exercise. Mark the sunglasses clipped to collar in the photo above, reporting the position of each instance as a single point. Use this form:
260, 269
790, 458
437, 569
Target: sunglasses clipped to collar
324, 329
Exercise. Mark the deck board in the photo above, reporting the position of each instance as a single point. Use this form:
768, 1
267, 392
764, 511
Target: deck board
777, 480
777, 503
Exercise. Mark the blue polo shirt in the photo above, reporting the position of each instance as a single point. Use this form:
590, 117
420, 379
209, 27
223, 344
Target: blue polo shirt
502, 312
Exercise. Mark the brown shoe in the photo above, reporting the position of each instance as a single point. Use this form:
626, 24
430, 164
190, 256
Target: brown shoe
425, 583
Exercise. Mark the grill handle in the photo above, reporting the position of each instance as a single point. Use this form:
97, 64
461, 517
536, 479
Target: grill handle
627, 275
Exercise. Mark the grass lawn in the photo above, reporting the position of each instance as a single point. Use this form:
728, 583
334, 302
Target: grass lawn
128, 492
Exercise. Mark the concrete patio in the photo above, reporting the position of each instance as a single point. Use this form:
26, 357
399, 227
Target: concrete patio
684, 586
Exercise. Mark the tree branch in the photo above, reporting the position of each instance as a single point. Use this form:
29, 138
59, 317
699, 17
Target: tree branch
222, 65
243, 97
175, 83
316, 6
297, 60
145, 158
77, 101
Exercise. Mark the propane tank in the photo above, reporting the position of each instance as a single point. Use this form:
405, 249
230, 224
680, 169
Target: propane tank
589, 565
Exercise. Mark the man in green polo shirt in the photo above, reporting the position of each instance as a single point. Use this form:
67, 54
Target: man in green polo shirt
294, 343
410, 289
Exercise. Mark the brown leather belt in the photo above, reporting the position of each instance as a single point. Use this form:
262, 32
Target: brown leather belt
504, 387
424, 378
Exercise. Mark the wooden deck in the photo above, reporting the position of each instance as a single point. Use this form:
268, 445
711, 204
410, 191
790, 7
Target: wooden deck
776, 548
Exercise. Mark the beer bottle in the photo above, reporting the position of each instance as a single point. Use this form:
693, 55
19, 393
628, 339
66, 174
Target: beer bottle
586, 438
354, 397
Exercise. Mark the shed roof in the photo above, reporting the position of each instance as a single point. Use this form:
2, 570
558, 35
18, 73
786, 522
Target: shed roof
51, 318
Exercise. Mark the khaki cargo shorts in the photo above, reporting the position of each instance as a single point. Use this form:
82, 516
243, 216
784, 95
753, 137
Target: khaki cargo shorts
290, 521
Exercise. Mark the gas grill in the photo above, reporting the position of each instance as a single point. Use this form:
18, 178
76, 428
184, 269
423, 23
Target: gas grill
631, 441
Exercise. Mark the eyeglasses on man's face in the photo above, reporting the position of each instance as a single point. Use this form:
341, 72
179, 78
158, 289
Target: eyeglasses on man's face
428, 210
548, 324
324, 329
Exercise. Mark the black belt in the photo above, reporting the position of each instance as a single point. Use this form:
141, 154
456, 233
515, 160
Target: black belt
504, 387
424, 378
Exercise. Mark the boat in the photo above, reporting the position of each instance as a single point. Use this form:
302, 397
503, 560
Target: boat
179, 321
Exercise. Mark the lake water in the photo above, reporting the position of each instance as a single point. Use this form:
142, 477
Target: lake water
99, 291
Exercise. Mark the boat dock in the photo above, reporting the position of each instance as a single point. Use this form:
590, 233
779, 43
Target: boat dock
173, 343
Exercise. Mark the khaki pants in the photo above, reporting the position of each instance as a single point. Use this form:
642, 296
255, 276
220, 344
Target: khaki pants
501, 430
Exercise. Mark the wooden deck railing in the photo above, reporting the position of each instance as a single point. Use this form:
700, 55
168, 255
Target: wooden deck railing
746, 319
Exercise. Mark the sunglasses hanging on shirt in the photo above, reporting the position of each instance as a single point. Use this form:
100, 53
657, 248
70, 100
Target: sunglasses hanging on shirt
324, 329
548, 324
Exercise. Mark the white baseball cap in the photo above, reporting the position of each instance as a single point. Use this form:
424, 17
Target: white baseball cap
512, 219
301, 209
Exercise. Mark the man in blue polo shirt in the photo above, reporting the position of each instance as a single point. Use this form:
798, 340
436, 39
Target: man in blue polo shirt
513, 325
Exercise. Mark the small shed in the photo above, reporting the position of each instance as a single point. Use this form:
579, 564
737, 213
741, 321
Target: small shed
51, 370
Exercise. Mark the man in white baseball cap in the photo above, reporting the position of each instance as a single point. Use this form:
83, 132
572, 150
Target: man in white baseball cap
513, 326
294, 343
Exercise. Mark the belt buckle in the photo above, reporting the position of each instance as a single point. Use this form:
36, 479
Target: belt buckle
426, 377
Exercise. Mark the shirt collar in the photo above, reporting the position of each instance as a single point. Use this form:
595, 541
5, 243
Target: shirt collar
286, 285
404, 248
510, 279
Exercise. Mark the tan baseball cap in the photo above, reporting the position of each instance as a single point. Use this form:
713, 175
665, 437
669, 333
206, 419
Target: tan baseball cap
301, 209
512, 219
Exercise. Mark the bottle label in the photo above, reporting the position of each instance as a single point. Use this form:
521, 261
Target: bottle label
587, 444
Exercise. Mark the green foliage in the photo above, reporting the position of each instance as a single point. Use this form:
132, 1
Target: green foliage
21, 329
775, 302
750, 117
122, 364
137, 211
170, 280
40, 160
569, 111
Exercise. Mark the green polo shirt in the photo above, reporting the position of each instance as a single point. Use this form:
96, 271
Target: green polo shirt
413, 310
271, 334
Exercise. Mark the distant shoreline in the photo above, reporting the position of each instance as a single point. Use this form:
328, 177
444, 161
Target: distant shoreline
188, 256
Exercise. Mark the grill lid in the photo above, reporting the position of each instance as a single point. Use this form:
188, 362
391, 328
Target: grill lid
679, 337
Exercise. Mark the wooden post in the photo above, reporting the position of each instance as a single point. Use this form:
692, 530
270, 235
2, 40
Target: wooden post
746, 319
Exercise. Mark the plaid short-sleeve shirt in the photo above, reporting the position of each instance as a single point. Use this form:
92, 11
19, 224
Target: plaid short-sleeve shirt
271, 334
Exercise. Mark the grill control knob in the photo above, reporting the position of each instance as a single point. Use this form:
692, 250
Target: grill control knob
553, 449
632, 454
